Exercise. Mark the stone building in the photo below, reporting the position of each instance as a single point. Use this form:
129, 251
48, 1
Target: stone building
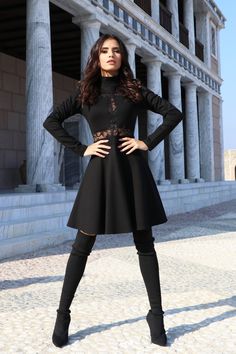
230, 164
174, 49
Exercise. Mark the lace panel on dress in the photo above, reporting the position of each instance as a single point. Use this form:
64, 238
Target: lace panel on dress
102, 134
112, 106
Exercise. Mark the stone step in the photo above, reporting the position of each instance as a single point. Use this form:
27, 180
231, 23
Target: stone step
13, 213
28, 199
32, 242
29, 226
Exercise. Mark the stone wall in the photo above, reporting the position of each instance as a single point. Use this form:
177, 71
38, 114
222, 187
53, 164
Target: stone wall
12, 119
12, 116
230, 164
34, 221
214, 65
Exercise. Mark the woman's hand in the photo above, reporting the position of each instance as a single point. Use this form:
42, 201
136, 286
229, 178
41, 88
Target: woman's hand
96, 148
132, 144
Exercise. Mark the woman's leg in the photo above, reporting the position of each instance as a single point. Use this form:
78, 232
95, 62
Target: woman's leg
148, 262
77, 260
76, 263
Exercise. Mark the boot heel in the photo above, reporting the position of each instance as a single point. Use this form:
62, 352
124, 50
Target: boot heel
60, 333
157, 330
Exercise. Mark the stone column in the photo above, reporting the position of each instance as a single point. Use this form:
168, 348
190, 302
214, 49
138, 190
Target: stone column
222, 168
173, 8
40, 159
192, 140
176, 146
155, 10
131, 48
206, 136
189, 23
90, 27
156, 156
203, 34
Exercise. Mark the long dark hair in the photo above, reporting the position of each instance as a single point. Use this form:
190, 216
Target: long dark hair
89, 85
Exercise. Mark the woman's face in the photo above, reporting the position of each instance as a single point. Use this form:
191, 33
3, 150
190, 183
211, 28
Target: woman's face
110, 51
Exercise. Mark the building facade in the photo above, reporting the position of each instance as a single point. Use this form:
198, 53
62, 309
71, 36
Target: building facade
174, 49
230, 164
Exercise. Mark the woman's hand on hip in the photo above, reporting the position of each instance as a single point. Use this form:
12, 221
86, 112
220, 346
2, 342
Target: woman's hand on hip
97, 148
132, 144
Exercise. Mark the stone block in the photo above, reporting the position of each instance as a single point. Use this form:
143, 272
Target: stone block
20, 68
19, 140
11, 82
3, 119
57, 80
6, 139
7, 178
10, 160
68, 83
34, 242
8, 63
22, 122
24, 227
22, 86
2, 161
13, 120
18, 103
5, 100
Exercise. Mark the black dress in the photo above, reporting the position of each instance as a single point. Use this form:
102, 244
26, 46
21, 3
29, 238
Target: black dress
118, 193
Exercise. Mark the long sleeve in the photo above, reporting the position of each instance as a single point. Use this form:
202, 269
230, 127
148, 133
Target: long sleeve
171, 116
53, 124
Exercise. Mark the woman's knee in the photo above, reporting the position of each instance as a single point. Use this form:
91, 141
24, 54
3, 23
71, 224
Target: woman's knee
83, 243
144, 240
87, 233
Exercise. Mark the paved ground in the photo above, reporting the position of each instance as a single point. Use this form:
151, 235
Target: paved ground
197, 261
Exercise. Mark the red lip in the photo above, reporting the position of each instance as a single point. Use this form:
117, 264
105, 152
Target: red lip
111, 61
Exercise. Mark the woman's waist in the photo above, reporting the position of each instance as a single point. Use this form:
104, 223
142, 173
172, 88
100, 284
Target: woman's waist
113, 133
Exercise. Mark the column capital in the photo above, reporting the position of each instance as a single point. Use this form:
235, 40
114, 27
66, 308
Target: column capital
91, 20
174, 74
205, 93
132, 41
190, 85
153, 60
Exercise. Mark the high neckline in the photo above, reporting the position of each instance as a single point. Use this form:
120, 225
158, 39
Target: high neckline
109, 83
110, 77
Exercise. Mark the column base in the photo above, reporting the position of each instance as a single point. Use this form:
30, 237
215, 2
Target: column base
76, 186
39, 187
196, 180
163, 181
179, 181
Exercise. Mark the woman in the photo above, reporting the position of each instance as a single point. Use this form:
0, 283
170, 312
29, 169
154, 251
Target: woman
118, 193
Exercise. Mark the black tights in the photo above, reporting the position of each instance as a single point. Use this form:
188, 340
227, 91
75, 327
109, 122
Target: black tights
148, 263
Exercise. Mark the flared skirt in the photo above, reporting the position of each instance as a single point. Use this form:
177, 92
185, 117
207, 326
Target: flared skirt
117, 194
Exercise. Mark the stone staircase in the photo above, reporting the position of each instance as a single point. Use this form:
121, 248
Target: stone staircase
33, 221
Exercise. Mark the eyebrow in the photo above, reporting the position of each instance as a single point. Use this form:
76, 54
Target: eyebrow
112, 47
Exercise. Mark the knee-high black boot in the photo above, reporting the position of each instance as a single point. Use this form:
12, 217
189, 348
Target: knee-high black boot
149, 268
150, 271
77, 260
